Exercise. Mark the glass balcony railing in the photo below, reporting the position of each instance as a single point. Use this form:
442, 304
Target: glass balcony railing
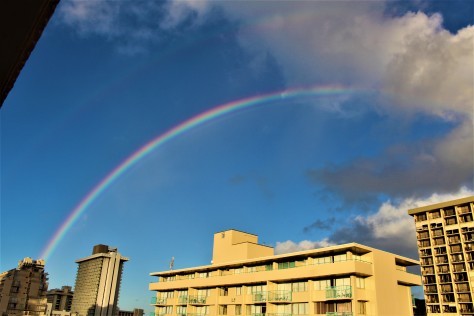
279, 296
259, 296
158, 301
197, 299
341, 291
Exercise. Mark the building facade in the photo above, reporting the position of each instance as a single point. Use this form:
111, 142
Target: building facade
23, 290
445, 236
60, 299
97, 285
135, 312
247, 279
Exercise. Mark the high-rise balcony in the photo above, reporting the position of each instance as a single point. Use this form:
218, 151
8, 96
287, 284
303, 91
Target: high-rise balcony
339, 314
339, 292
183, 300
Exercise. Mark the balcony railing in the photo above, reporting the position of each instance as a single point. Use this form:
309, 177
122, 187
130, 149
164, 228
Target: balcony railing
183, 300
197, 299
196, 314
259, 296
279, 296
281, 314
341, 291
158, 301
339, 314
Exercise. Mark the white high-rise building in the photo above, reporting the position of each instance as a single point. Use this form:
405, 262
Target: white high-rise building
98, 283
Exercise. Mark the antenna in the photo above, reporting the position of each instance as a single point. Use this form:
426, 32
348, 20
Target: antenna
172, 263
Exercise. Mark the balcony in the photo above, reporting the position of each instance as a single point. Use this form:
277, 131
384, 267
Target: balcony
195, 314
339, 292
279, 314
183, 300
197, 299
339, 314
259, 297
158, 301
279, 296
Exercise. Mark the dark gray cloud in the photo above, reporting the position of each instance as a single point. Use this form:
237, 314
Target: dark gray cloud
413, 170
320, 224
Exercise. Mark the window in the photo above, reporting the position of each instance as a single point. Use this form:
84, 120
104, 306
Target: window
320, 308
181, 310
238, 290
322, 260
204, 292
256, 289
339, 258
204, 275
298, 287
361, 308
238, 309
286, 265
321, 284
167, 294
222, 309
203, 310
165, 310
360, 283
238, 270
269, 267
299, 309
223, 291
342, 281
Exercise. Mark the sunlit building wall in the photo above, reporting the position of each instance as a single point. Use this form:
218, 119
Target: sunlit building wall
246, 278
445, 236
23, 290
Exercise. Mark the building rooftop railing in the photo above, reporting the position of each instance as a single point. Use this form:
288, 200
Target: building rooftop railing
246, 270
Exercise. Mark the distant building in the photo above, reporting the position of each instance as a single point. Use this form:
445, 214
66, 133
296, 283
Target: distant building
445, 234
135, 312
97, 286
61, 299
23, 290
247, 279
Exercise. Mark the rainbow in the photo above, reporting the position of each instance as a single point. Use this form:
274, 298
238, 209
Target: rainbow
179, 129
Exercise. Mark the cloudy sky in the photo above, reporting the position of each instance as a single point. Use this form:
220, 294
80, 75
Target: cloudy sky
375, 117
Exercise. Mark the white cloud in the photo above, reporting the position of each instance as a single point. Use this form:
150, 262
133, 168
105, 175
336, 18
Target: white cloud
392, 222
412, 57
291, 246
133, 25
390, 228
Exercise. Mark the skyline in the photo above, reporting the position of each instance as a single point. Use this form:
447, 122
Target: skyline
109, 82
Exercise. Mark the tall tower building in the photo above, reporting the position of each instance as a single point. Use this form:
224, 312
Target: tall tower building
445, 234
98, 283
23, 290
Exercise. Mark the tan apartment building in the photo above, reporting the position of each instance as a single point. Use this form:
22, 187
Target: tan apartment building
445, 236
23, 290
97, 287
60, 299
247, 279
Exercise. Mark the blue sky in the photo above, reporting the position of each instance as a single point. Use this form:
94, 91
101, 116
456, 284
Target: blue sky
108, 77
